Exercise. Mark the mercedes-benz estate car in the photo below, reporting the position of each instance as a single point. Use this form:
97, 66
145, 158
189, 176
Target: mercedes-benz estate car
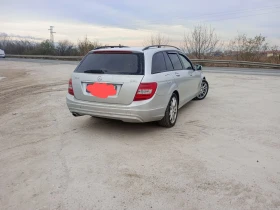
135, 84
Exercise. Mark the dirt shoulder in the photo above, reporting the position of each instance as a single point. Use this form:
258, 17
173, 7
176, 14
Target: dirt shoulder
223, 152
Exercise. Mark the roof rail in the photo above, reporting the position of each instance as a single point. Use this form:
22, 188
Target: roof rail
159, 46
120, 46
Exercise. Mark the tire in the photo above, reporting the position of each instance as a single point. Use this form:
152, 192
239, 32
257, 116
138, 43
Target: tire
204, 91
166, 121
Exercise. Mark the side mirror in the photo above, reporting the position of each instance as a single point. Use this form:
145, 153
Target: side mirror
198, 67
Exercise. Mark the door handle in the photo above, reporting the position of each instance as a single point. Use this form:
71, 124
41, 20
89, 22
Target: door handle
177, 74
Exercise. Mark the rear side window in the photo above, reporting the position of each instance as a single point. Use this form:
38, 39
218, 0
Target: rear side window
175, 61
112, 63
158, 64
169, 65
186, 63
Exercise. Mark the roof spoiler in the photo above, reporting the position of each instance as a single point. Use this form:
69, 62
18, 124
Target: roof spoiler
102, 47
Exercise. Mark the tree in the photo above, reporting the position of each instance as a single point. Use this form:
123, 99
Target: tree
274, 54
46, 48
249, 49
156, 39
17, 46
4, 39
201, 41
64, 47
86, 45
274, 49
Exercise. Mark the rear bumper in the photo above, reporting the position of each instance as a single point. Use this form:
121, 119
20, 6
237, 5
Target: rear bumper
135, 112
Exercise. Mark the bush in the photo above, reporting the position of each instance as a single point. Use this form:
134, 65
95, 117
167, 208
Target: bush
86, 45
46, 47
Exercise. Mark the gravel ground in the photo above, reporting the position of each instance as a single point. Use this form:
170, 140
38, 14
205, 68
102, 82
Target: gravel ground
223, 153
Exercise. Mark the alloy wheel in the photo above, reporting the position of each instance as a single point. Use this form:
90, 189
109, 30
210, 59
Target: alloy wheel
173, 110
203, 90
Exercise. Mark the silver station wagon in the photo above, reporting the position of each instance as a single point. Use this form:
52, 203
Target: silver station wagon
134, 84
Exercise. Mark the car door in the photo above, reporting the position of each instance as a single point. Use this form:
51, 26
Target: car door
162, 73
194, 78
181, 76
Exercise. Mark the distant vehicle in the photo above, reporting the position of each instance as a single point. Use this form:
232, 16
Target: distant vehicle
2, 54
135, 84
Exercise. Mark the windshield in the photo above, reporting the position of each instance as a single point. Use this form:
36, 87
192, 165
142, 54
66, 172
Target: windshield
112, 63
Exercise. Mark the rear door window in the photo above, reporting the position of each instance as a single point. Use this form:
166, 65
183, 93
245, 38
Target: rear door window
158, 64
175, 61
112, 63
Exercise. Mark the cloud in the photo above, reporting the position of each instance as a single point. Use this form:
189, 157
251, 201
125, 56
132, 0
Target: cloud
16, 36
132, 21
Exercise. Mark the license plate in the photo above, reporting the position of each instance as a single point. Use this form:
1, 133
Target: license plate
115, 86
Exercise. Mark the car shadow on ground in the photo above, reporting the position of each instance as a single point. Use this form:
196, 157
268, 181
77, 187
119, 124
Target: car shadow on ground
186, 109
187, 106
103, 125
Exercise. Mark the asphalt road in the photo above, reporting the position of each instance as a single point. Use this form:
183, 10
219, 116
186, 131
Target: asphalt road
228, 70
223, 152
245, 71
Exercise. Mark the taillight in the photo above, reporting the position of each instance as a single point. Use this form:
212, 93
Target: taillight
70, 87
145, 91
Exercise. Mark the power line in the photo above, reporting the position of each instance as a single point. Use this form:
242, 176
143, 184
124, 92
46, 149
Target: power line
239, 11
232, 18
225, 15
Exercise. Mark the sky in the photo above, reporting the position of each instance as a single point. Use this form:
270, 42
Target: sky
130, 22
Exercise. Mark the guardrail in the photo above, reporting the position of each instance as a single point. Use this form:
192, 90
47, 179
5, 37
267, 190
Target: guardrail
52, 57
195, 61
234, 62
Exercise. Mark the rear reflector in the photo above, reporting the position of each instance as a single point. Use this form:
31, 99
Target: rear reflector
70, 87
145, 91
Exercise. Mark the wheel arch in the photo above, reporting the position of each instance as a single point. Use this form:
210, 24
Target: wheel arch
174, 89
178, 97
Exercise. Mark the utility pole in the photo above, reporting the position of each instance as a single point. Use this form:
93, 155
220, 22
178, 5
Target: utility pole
51, 33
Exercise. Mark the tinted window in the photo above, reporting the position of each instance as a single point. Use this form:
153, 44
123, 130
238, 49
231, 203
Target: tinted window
175, 61
186, 63
158, 64
113, 63
169, 65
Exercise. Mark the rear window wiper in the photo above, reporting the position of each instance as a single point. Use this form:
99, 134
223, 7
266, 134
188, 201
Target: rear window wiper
95, 71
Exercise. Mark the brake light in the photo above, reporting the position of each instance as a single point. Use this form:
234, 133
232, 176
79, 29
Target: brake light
145, 91
70, 87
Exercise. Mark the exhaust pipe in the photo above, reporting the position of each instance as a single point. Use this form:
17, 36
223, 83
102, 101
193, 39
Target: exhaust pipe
76, 114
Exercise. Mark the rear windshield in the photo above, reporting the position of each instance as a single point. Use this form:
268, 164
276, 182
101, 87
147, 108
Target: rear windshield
112, 63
